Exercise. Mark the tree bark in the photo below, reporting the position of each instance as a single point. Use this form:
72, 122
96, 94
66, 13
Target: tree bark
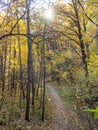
80, 36
29, 65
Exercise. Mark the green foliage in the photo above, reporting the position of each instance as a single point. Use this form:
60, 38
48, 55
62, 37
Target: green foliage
95, 111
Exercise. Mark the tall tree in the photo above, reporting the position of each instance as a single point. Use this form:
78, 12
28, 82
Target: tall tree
29, 64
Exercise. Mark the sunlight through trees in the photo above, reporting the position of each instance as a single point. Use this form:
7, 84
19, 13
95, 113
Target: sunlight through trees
43, 43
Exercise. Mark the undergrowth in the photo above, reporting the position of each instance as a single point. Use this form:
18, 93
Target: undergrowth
82, 119
12, 115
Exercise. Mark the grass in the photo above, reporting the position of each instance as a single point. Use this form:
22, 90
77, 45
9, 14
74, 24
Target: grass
67, 94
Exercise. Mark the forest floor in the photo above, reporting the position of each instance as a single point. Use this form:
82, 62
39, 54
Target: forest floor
61, 113
68, 112
58, 115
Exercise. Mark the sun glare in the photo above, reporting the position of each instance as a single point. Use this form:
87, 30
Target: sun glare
49, 14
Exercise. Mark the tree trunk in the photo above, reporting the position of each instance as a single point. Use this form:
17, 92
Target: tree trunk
29, 65
44, 73
80, 36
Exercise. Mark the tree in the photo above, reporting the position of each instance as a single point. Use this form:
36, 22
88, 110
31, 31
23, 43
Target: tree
29, 64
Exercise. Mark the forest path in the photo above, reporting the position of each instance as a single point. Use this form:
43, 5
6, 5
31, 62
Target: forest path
62, 119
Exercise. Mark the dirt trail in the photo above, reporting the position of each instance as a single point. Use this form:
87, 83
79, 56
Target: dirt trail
62, 119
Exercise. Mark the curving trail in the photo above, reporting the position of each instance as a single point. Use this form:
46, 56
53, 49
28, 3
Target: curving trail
62, 120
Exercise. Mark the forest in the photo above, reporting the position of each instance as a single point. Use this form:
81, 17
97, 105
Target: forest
48, 64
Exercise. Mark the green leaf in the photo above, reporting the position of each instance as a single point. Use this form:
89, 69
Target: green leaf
95, 111
91, 110
96, 115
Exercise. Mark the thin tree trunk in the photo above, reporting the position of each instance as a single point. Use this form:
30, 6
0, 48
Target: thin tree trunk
9, 66
4, 48
44, 74
22, 94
